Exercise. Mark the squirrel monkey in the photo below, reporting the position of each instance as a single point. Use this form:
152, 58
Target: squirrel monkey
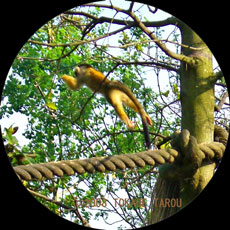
115, 93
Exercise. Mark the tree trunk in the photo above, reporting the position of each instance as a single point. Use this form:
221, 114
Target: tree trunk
197, 88
197, 101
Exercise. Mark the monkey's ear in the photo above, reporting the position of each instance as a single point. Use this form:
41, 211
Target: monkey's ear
77, 71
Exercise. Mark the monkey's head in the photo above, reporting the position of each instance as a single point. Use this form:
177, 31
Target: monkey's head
82, 70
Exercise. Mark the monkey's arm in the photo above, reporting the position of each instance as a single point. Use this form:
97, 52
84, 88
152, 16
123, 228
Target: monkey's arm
72, 82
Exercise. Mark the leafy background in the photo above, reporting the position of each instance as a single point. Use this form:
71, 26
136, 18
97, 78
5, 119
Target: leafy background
63, 125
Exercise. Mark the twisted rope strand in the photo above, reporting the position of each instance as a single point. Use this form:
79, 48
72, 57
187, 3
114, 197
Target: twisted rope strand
110, 163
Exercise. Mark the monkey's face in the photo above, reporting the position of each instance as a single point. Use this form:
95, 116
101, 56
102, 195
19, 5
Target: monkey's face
82, 70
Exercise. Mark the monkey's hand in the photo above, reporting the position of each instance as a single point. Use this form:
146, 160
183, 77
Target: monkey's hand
71, 82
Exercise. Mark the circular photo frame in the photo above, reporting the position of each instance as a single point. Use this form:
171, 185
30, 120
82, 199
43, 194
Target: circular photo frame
115, 115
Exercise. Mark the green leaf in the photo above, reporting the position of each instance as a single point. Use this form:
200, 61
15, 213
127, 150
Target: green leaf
165, 93
9, 136
51, 105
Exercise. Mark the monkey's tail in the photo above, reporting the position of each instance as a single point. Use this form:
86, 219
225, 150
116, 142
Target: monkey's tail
126, 90
146, 134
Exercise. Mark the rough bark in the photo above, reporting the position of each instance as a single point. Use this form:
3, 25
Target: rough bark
197, 102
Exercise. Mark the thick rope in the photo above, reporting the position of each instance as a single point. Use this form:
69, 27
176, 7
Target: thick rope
101, 164
111, 163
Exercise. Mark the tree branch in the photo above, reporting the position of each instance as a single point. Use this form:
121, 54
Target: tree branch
60, 204
218, 75
161, 45
161, 23
221, 102
143, 27
79, 42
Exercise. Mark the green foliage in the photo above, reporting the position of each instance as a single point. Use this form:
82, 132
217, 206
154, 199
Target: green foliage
59, 128
15, 153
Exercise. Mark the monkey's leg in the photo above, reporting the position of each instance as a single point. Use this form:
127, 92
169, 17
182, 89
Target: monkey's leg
148, 119
121, 113
126, 100
115, 98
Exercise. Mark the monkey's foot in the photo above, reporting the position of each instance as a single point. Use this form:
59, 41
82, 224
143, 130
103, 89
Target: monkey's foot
131, 124
149, 120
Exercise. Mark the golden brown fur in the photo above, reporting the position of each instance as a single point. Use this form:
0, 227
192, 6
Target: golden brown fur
115, 92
